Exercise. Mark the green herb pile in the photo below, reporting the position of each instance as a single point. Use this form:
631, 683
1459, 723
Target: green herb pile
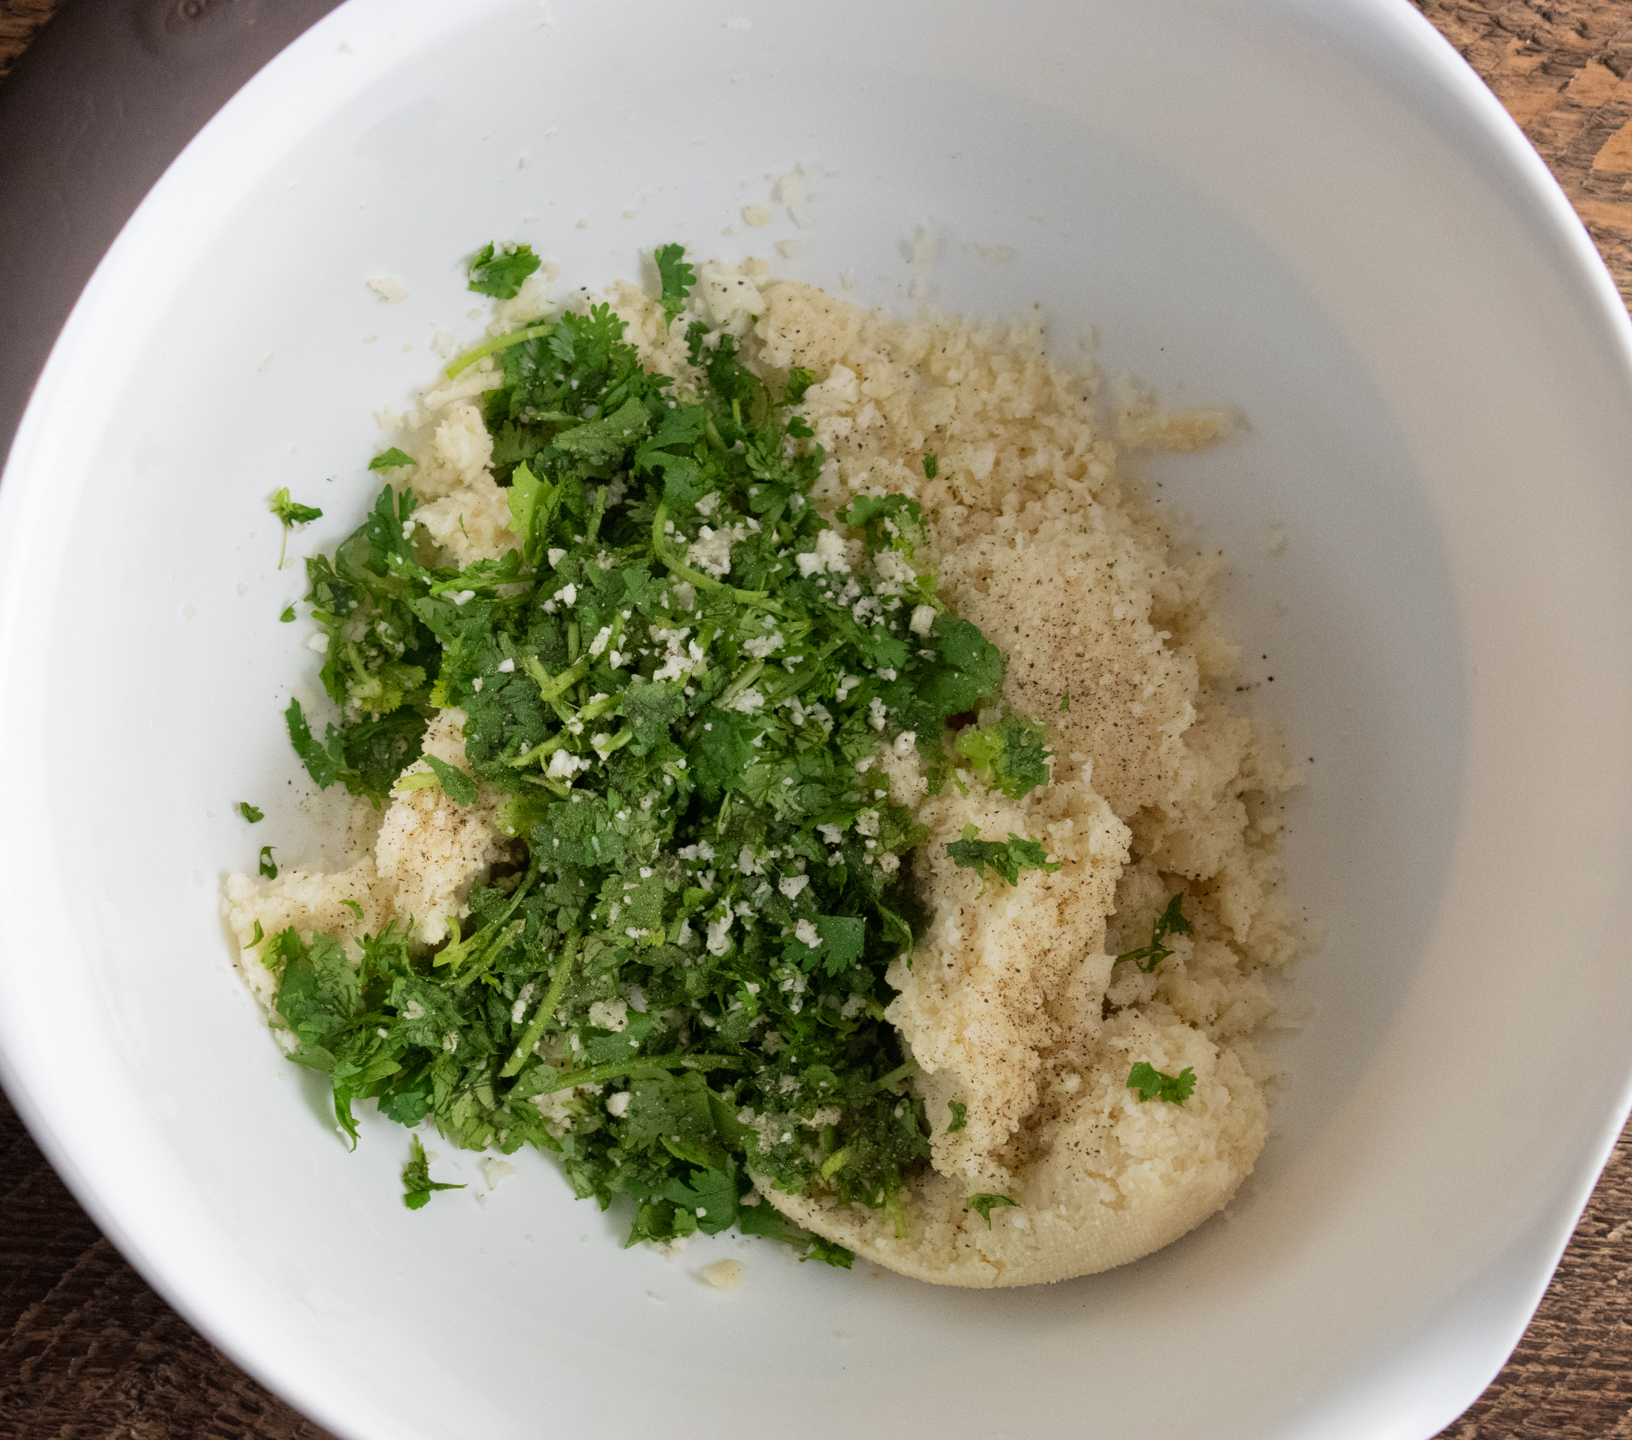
676, 684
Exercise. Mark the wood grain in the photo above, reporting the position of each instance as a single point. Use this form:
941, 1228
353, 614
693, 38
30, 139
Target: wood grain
89, 1352
19, 20
1564, 72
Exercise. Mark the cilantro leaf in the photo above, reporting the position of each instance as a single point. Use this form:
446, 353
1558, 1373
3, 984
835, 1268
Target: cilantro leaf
695, 334
597, 442
289, 512
677, 278
533, 503
417, 1185
288, 614
799, 381
391, 459
320, 765
1011, 755
829, 1252
1005, 858
968, 669
1153, 1084
960, 1115
456, 785
269, 869
249, 812
1170, 922
932, 466
983, 1205
499, 273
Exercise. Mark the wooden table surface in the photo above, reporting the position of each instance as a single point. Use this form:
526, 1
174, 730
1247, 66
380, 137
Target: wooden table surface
89, 1352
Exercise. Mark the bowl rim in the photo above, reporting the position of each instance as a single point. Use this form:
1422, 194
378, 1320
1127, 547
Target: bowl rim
61, 1134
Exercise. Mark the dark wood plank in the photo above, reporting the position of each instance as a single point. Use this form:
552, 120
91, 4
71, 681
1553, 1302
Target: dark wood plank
19, 21
89, 1352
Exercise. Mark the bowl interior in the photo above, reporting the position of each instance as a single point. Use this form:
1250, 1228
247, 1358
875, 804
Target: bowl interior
1309, 212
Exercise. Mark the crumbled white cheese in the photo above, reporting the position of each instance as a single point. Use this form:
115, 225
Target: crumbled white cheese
494, 1169
711, 550
718, 938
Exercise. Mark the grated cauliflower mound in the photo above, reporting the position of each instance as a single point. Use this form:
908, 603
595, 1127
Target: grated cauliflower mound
1011, 1004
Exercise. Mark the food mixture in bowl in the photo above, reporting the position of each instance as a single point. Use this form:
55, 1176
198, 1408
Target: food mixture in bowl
797, 782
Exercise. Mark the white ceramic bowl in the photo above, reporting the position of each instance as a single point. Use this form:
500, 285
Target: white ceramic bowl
1313, 211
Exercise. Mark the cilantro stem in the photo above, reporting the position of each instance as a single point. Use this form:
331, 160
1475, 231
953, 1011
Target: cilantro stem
596, 708
660, 1065
495, 948
493, 346
553, 687
741, 683
835, 1163
899, 1073
895, 1210
538, 752
759, 599
546, 1009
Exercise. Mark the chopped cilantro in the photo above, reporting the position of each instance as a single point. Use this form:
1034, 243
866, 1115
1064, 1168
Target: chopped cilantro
1009, 756
932, 466
1170, 922
288, 614
499, 273
354, 907
799, 381
1152, 1084
983, 1205
391, 459
1005, 858
829, 1252
960, 1115
676, 278
249, 812
289, 512
456, 785
668, 693
417, 1184
1065, 701
258, 936
269, 869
